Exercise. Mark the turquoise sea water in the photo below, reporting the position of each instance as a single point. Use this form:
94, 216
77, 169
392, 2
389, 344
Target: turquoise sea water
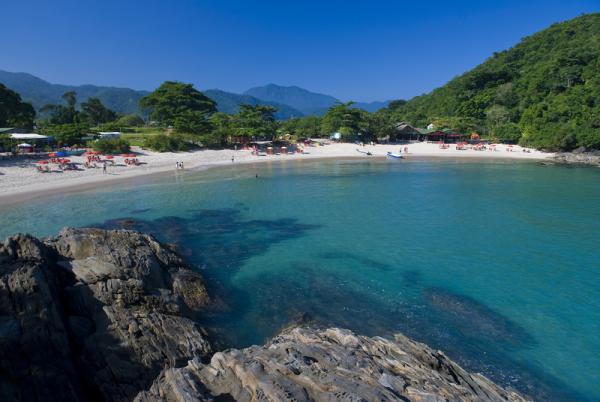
495, 263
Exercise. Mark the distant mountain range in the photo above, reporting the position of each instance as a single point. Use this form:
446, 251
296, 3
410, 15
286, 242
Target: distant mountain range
290, 101
228, 102
39, 92
305, 101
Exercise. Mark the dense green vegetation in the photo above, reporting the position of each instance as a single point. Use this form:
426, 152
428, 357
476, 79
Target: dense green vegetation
111, 146
544, 92
180, 106
13, 111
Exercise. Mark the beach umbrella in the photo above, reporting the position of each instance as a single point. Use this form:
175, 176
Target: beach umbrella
24, 145
52, 154
109, 156
42, 162
61, 154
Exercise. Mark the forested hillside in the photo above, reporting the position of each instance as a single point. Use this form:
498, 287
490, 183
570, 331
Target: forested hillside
543, 92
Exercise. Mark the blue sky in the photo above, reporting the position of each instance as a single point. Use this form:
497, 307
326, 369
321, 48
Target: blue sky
354, 50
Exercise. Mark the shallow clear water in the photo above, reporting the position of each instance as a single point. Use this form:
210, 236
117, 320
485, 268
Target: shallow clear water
496, 263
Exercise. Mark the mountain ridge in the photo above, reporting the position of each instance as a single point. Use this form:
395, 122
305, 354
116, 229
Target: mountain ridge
297, 103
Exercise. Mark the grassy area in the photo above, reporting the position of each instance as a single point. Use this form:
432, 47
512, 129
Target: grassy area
136, 136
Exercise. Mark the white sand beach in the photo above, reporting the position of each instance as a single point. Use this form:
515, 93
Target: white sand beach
20, 180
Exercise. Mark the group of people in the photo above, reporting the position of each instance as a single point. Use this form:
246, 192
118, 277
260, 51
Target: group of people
178, 165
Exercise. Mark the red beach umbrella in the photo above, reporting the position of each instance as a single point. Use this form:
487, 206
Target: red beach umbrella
42, 162
109, 156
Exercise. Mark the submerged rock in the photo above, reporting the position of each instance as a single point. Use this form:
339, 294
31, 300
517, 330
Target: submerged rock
304, 364
103, 315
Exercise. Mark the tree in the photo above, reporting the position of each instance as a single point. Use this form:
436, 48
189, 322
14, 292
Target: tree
222, 129
60, 114
302, 127
130, 120
95, 113
180, 105
13, 111
342, 118
256, 121
66, 134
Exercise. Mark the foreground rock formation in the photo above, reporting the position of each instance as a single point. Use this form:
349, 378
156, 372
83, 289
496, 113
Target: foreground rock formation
95, 315
304, 364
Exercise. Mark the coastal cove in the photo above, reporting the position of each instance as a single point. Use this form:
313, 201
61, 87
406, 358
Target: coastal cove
492, 261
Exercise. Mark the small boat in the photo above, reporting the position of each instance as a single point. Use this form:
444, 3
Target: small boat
394, 155
362, 151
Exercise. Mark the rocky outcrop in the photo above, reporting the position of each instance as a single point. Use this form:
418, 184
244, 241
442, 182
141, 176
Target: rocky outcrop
305, 364
578, 157
94, 315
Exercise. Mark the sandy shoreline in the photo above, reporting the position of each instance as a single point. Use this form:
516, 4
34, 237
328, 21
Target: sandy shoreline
20, 181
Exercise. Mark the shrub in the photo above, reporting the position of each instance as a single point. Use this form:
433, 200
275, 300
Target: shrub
166, 143
111, 146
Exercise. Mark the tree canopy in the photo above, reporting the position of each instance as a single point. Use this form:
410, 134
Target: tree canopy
13, 111
181, 106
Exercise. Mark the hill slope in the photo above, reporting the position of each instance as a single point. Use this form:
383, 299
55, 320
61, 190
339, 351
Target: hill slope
228, 102
39, 92
543, 92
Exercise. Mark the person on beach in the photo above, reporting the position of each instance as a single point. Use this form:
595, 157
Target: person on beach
232, 159
405, 150
104, 167
181, 165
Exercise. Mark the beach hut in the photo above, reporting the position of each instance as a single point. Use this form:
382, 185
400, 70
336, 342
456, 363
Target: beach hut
404, 132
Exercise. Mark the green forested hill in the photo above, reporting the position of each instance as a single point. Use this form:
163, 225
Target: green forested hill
544, 92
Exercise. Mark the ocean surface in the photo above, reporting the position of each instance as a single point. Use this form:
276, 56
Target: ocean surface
497, 263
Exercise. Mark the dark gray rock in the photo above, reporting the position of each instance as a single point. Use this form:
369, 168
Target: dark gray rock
578, 158
94, 315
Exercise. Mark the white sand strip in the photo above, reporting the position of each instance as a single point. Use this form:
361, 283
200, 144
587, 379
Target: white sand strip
20, 180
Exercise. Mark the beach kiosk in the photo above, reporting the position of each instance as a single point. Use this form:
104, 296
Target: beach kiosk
26, 142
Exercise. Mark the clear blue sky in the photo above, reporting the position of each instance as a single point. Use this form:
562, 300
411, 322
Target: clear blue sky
359, 50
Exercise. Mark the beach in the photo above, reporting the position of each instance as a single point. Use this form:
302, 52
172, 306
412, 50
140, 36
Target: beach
19, 179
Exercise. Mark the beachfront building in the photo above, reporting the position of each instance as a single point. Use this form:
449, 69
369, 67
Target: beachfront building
28, 142
404, 132
445, 135
12, 130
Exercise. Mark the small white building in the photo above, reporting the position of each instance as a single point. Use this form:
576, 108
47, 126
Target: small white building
105, 135
30, 136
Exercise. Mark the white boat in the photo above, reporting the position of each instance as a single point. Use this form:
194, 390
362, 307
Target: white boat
394, 155
362, 151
